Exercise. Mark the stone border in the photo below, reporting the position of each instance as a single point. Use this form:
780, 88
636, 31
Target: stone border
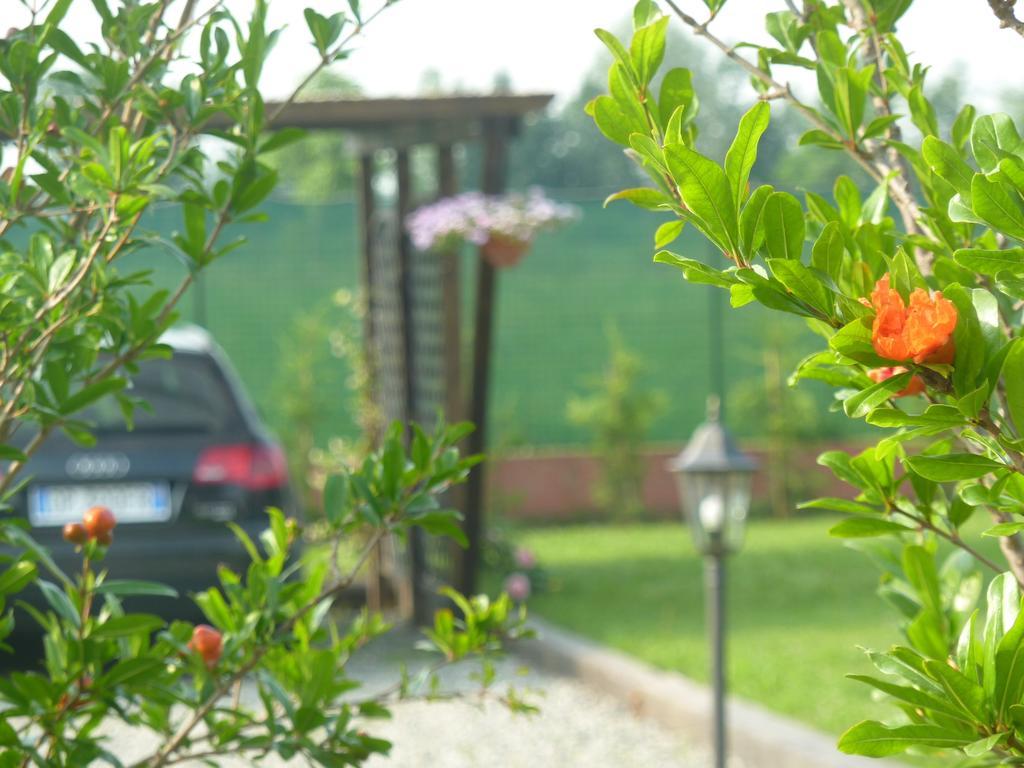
759, 738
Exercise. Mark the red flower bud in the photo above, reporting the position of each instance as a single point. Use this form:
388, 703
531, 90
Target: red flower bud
75, 533
207, 642
99, 522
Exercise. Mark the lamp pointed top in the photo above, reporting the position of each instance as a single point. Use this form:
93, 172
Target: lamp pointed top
711, 449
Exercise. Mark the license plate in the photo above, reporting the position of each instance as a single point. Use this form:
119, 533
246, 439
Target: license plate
51, 505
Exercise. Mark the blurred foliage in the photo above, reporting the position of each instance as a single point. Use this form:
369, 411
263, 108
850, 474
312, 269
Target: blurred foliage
322, 359
785, 417
619, 414
321, 167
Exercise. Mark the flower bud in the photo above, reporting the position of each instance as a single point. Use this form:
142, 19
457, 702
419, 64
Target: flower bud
75, 533
99, 522
207, 642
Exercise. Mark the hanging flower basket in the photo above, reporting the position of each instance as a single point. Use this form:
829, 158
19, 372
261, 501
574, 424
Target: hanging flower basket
502, 226
503, 252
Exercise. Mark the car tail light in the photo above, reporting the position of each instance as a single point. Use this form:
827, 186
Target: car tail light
252, 466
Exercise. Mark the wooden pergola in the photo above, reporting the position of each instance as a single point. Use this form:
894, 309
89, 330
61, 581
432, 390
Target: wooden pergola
399, 125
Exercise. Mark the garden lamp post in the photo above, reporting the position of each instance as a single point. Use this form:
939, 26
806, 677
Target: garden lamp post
714, 483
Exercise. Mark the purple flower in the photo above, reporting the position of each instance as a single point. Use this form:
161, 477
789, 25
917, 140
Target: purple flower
525, 558
473, 217
518, 587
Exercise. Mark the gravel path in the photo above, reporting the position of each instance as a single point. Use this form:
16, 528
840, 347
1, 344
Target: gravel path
576, 728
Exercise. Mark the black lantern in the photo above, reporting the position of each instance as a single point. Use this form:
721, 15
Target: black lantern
714, 483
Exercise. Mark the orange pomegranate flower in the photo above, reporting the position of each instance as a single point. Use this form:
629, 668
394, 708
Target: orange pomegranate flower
922, 332
914, 387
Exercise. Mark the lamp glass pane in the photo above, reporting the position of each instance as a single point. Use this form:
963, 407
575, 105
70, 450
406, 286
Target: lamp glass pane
708, 509
737, 507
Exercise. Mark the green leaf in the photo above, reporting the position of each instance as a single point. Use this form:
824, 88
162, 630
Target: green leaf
989, 262
89, 394
644, 12
866, 527
677, 92
10, 453
743, 152
846, 506
922, 113
17, 577
993, 202
131, 587
126, 626
1009, 666
705, 191
962, 126
647, 49
441, 523
60, 603
803, 284
1003, 609
993, 137
848, 199
919, 567
853, 340
751, 223
827, 253
643, 197
611, 120
947, 164
912, 696
784, 227
984, 747
969, 362
819, 138
860, 404
336, 498
934, 416
965, 693
872, 739
667, 233
953, 467
620, 53
694, 271
130, 669
281, 138
1003, 529
1013, 380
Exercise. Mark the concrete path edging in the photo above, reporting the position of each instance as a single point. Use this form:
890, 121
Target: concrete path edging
760, 738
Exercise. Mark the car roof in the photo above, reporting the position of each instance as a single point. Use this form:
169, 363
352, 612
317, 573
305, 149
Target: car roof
189, 338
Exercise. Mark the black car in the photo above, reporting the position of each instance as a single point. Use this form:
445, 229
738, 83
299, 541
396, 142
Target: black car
197, 458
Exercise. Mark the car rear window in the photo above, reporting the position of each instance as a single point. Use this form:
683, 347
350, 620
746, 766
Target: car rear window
186, 394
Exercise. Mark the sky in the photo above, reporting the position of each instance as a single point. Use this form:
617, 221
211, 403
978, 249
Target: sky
548, 45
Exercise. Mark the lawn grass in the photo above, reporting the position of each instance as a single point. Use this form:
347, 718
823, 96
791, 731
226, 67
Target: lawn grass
799, 605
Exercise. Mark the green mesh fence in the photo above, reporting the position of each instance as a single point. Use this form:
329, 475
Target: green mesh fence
552, 314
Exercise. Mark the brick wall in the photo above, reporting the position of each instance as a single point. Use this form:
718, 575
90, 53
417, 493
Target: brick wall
558, 485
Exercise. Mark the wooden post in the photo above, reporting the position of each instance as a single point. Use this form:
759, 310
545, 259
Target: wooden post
417, 563
451, 298
451, 308
495, 141
367, 214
